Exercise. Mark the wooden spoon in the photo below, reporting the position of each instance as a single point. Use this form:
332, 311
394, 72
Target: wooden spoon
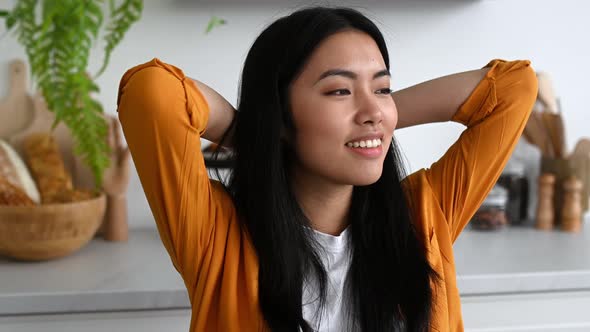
536, 133
546, 93
555, 128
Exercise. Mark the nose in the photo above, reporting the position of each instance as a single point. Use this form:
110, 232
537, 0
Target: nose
369, 111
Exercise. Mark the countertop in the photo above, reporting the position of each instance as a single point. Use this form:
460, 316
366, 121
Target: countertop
138, 275
522, 260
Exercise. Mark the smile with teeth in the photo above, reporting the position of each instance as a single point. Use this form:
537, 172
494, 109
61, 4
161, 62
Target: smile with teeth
370, 143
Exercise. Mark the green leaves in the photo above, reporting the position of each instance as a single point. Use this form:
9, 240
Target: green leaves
214, 22
58, 44
9, 19
58, 36
9, 22
122, 17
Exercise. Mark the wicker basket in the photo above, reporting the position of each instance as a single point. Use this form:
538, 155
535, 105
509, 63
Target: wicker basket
49, 231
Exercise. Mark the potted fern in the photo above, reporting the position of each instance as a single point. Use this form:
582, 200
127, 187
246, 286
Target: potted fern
57, 36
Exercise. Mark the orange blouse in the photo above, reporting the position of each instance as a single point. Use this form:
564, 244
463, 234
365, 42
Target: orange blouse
163, 115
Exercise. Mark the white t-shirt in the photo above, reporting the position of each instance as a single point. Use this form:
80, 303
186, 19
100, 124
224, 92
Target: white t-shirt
336, 261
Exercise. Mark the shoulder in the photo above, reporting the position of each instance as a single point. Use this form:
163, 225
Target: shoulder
151, 80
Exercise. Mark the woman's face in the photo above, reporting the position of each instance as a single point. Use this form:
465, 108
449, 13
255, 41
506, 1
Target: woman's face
343, 112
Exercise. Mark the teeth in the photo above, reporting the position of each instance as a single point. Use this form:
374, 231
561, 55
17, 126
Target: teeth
370, 143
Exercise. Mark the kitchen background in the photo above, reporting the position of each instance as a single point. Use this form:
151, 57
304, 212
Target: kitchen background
518, 279
426, 39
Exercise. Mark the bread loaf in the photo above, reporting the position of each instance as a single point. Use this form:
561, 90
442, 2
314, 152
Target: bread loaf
47, 166
73, 195
13, 195
14, 171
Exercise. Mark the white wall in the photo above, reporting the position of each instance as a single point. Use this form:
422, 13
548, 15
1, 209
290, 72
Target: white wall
426, 39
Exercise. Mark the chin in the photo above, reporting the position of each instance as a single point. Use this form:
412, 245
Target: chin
365, 179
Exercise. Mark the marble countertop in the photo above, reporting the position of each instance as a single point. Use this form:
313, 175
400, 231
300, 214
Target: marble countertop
102, 276
519, 260
138, 275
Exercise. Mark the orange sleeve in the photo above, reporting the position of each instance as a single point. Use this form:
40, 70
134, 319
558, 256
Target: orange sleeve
163, 114
495, 114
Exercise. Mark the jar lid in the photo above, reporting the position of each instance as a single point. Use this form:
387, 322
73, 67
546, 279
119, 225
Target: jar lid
497, 197
514, 167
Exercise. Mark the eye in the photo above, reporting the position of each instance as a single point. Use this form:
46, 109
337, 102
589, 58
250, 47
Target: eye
385, 91
339, 92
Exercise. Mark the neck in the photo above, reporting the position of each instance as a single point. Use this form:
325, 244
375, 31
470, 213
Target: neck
324, 203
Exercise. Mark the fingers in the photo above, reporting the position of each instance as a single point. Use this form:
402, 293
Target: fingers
114, 136
111, 135
124, 156
117, 132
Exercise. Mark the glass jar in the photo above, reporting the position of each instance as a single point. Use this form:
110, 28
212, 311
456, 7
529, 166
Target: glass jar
491, 215
514, 179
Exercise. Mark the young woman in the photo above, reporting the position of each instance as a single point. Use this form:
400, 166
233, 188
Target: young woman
318, 227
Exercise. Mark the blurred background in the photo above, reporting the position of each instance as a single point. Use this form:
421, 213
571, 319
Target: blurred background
426, 39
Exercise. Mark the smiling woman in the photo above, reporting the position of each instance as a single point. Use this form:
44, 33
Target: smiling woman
350, 104
318, 227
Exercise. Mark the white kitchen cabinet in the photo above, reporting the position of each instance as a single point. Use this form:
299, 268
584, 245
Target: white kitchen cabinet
127, 321
133, 286
545, 312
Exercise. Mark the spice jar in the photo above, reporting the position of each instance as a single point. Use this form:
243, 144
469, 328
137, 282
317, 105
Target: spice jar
491, 215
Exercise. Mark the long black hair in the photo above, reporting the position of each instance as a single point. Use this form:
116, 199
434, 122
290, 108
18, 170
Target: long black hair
388, 282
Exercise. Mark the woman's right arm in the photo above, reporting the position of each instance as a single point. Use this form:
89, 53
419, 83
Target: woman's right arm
164, 115
221, 114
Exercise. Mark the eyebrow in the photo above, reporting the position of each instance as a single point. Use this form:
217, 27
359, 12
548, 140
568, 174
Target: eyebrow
350, 74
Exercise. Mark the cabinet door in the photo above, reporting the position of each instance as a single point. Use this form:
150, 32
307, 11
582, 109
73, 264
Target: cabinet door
555, 312
133, 321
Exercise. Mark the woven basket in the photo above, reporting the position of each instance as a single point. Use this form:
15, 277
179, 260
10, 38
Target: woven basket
49, 231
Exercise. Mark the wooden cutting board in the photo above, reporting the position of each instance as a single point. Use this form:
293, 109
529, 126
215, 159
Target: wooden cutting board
36, 117
582, 147
580, 161
16, 109
41, 121
22, 114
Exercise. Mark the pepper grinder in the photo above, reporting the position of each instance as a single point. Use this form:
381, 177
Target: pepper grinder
545, 206
571, 213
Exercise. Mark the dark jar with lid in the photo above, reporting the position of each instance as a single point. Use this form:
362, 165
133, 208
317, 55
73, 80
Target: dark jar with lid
514, 179
491, 215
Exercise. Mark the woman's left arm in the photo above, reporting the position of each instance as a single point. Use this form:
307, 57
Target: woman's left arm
436, 100
494, 104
